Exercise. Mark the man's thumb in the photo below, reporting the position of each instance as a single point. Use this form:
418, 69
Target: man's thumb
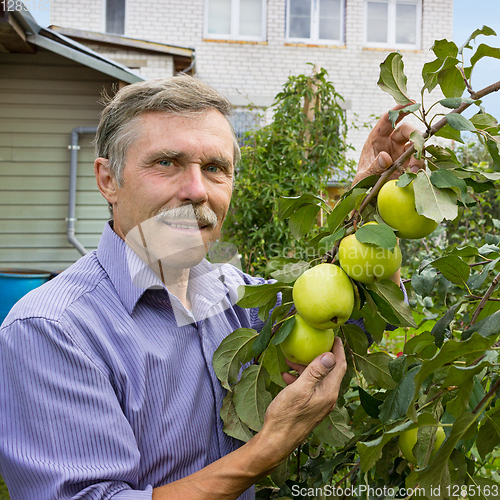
319, 368
328, 360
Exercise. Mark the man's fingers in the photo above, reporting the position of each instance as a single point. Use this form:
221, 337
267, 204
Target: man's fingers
384, 125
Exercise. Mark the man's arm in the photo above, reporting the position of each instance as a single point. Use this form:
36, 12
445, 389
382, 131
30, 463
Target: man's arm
292, 415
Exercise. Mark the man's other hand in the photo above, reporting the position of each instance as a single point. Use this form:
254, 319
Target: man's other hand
384, 146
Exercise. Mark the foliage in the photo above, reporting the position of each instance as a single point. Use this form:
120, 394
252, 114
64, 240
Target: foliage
292, 155
440, 367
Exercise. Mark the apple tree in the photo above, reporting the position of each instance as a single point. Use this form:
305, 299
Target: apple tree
446, 374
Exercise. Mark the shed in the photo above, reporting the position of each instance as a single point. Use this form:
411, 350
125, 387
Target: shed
49, 85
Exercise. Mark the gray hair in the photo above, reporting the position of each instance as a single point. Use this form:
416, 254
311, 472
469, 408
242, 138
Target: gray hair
178, 95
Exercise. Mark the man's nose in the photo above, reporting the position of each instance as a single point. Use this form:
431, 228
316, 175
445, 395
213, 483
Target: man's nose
193, 185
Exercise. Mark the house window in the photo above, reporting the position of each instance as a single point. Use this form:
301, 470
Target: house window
393, 23
235, 19
115, 17
315, 21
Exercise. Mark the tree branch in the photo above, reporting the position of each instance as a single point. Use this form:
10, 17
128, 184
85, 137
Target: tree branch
484, 300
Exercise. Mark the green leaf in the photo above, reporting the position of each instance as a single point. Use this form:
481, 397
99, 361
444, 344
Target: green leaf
398, 400
392, 78
488, 437
447, 179
487, 327
287, 205
445, 48
435, 203
369, 403
274, 362
371, 451
418, 142
291, 271
448, 132
459, 122
234, 351
259, 295
482, 488
484, 51
334, 430
302, 220
380, 235
262, 341
423, 282
485, 30
435, 478
395, 113
356, 338
284, 331
443, 323
390, 301
328, 242
233, 426
431, 71
405, 179
450, 352
484, 121
375, 368
453, 269
455, 102
251, 397
342, 209
492, 147
451, 82
397, 367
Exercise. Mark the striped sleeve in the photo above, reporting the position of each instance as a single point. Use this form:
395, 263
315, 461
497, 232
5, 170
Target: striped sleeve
47, 449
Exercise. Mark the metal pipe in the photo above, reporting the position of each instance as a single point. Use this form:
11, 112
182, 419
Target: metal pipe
73, 165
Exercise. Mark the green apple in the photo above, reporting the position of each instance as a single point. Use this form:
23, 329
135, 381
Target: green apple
396, 205
305, 343
365, 262
408, 439
324, 296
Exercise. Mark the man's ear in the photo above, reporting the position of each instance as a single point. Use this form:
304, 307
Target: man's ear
106, 181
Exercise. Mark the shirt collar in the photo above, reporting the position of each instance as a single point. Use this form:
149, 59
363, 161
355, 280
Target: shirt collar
131, 277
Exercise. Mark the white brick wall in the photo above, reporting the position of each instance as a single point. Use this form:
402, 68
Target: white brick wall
255, 72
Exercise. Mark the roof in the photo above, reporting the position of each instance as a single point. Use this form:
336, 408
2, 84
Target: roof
125, 42
20, 33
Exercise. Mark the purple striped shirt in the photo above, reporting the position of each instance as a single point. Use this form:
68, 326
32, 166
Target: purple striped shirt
102, 393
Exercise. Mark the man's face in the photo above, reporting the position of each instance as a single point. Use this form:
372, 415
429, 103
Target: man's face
176, 161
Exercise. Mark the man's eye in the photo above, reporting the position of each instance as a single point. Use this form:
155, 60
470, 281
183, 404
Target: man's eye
165, 163
213, 168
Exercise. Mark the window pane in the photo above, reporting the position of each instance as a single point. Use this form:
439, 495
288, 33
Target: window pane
115, 16
406, 23
376, 22
219, 17
329, 19
300, 19
251, 17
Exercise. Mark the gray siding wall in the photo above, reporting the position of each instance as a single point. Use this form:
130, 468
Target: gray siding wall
42, 98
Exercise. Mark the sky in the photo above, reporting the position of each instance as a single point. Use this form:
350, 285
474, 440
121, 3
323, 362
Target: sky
468, 15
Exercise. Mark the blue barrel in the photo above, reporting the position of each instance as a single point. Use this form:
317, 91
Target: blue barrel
15, 283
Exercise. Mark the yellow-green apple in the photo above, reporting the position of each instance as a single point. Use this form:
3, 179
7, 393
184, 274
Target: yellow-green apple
324, 296
396, 205
408, 439
305, 342
365, 262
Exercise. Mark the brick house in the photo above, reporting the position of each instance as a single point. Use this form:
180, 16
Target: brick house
244, 48
248, 48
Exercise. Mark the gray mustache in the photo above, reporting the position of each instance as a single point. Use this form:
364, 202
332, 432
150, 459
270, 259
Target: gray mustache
202, 214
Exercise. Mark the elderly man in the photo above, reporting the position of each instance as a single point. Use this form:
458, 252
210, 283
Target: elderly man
106, 384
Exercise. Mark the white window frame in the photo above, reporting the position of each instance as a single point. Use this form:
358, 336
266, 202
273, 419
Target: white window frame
391, 25
104, 21
235, 24
314, 38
